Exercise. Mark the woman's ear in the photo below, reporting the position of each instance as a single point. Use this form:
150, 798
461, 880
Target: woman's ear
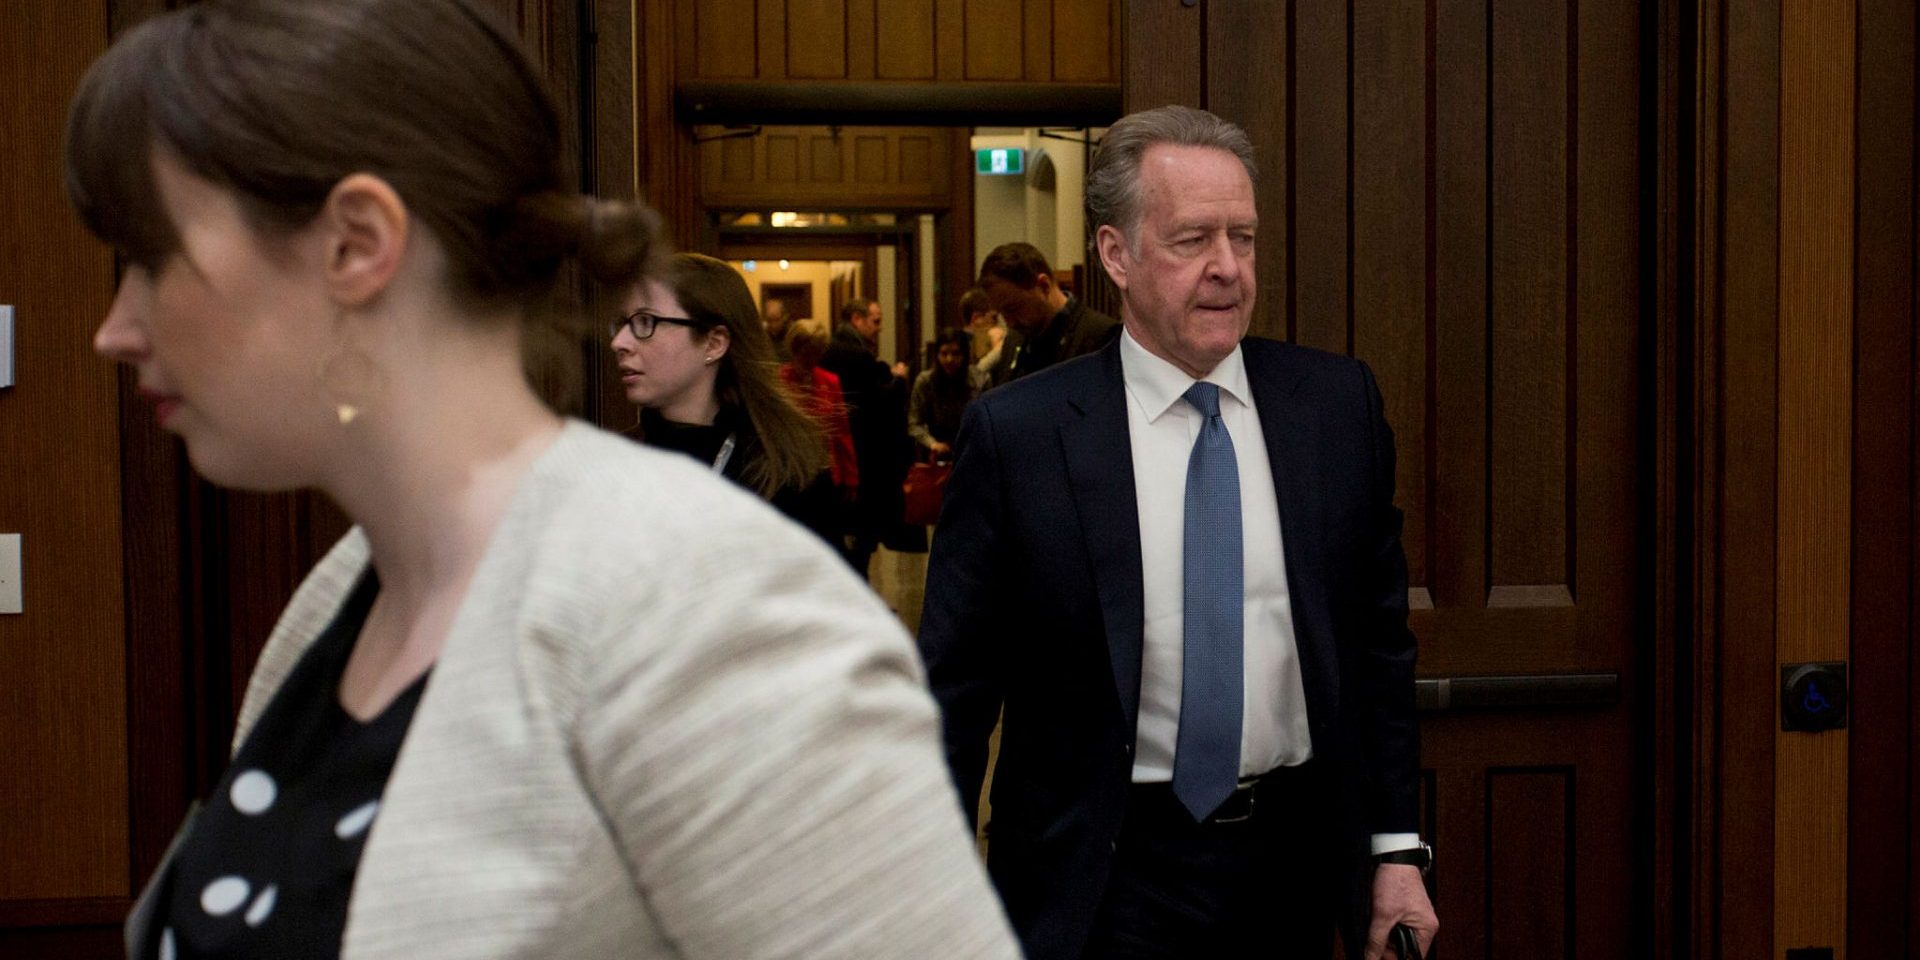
718, 340
366, 226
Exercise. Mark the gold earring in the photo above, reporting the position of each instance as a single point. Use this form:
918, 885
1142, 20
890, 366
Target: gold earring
352, 378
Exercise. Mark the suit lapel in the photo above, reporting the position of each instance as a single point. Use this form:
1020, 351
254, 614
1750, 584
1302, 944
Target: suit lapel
1099, 460
1291, 427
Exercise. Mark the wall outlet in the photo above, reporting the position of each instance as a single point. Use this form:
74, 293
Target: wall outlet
10, 592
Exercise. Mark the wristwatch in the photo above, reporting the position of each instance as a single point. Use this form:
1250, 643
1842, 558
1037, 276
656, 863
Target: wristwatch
1420, 856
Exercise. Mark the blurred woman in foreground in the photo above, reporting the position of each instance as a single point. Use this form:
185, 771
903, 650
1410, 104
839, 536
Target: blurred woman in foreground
555, 695
695, 357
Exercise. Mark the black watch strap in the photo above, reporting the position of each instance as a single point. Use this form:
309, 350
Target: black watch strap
1420, 856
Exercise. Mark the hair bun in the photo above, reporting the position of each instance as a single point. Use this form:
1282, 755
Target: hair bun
615, 241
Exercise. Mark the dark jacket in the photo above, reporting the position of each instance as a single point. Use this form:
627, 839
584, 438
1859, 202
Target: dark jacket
877, 417
1034, 603
1076, 330
814, 506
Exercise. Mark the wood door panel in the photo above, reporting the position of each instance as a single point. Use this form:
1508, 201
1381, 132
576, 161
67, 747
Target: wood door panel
64, 798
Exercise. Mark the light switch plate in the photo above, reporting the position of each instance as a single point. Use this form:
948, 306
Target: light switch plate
10, 592
6, 345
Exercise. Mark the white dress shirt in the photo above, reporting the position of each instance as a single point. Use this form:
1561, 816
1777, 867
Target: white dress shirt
1162, 427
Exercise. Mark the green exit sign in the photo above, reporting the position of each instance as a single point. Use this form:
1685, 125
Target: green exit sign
1000, 160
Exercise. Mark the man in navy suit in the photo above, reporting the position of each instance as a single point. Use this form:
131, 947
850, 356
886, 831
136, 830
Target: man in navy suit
1175, 565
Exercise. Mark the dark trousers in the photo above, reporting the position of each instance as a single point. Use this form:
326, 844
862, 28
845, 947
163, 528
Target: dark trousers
1258, 879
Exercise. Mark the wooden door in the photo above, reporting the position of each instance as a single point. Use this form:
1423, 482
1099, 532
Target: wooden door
1451, 192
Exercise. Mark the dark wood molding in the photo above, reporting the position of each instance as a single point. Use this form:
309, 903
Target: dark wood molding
76, 912
1880, 797
881, 103
1668, 601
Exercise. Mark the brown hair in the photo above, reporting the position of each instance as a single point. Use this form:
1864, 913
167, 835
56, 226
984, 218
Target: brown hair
974, 301
1021, 264
793, 447
856, 307
278, 100
811, 331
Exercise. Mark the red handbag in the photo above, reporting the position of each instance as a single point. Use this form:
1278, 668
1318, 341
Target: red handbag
925, 488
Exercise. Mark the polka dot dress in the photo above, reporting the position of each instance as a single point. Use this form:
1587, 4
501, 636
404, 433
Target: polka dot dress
268, 866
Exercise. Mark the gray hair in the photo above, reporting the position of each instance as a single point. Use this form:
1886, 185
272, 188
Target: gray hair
1113, 180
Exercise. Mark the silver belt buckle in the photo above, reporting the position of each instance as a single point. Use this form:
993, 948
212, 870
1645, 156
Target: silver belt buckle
1247, 785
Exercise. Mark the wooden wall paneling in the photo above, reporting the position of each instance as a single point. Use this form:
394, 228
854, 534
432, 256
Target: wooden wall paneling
785, 168
1603, 350
64, 803
863, 48
994, 39
950, 39
1163, 60
1744, 438
640, 150
727, 37
1391, 330
100, 942
1817, 58
1532, 160
770, 35
1683, 677
1246, 82
1036, 40
1880, 738
906, 48
1530, 894
1458, 303
1081, 42
1319, 139
817, 39
957, 269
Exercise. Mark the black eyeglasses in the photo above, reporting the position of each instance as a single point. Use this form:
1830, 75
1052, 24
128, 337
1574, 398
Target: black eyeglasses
641, 323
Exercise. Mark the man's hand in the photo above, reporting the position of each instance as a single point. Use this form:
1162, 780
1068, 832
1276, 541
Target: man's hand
940, 450
1399, 897
900, 369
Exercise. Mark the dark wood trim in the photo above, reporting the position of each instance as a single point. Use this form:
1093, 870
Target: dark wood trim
956, 271
1666, 598
797, 249
903, 103
1816, 349
1880, 740
1729, 852
76, 912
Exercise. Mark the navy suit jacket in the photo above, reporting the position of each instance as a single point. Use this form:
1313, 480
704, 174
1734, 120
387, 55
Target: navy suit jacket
1034, 604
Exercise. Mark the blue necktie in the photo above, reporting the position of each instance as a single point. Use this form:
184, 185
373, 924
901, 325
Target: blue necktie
1206, 760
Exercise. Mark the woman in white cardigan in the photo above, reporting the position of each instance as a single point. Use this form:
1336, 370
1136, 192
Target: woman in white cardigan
556, 695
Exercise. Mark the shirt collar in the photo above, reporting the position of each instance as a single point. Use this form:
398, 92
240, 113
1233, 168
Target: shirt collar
1158, 384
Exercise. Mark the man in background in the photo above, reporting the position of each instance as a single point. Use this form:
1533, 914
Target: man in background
1046, 325
985, 327
773, 313
876, 397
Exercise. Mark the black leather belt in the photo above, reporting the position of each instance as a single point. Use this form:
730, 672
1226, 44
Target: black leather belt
1241, 804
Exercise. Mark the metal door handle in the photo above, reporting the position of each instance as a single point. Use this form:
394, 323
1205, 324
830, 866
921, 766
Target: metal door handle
1538, 692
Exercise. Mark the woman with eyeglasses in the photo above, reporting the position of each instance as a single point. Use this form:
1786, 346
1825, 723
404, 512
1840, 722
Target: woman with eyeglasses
555, 695
697, 361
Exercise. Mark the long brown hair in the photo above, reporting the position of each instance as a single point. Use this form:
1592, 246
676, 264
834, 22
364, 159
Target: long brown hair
793, 447
279, 100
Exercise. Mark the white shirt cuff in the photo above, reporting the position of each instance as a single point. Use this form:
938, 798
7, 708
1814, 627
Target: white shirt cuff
1390, 842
